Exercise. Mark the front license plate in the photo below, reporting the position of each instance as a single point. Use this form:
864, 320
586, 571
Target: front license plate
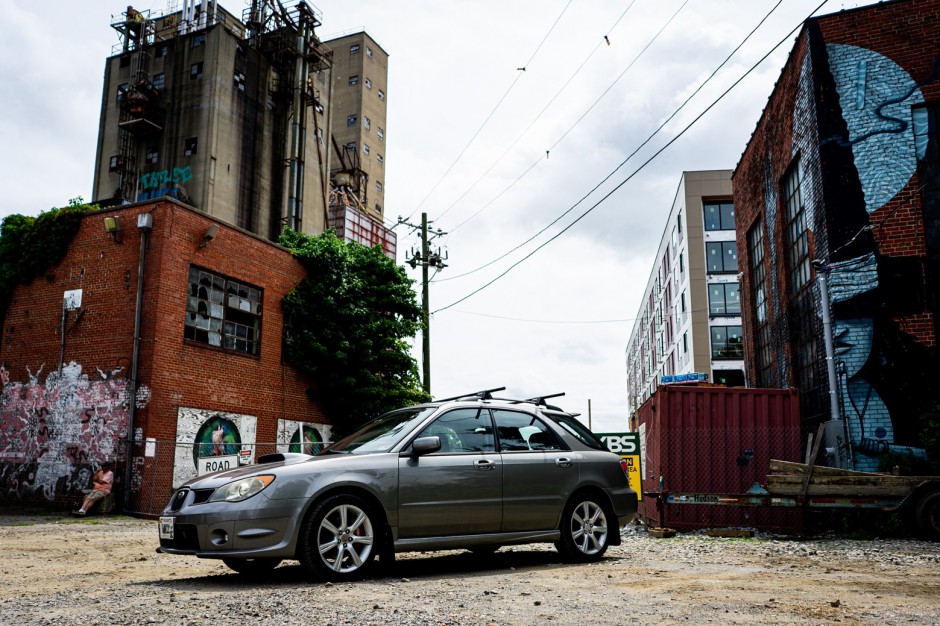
166, 527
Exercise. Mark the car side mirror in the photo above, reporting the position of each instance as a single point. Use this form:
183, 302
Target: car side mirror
425, 445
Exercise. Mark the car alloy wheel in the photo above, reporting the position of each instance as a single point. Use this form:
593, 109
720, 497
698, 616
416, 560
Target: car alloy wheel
584, 532
339, 540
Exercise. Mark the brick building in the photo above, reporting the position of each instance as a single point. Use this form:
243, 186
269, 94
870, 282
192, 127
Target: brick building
211, 386
843, 169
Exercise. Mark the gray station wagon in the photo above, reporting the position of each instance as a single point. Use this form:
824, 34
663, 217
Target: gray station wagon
472, 472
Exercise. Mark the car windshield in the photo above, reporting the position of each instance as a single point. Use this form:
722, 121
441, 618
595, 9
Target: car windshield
576, 428
382, 433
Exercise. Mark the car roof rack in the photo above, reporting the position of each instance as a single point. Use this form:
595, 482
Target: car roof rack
485, 394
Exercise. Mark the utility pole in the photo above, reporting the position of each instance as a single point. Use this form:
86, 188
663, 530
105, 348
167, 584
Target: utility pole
426, 259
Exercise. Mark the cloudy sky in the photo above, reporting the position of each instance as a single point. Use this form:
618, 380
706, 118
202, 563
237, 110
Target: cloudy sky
545, 272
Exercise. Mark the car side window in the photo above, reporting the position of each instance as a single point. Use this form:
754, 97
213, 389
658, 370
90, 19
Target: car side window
519, 431
463, 430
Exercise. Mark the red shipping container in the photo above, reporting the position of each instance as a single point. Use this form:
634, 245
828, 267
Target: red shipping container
706, 439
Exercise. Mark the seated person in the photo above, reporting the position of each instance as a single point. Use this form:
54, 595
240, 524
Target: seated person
102, 480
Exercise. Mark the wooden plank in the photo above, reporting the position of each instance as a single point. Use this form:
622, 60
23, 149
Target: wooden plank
908, 482
789, 467
811, 461
842, 491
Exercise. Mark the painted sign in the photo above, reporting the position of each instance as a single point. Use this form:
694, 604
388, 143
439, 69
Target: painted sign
305, 437
627, 446
208, 440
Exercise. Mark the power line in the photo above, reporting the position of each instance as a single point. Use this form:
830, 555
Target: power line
581, 118
518, 319
488, 117
624, 162
529, 127
635, 172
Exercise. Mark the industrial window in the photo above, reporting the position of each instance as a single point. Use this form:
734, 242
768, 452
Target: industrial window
366, 122
199, 40
153, 155
122, 92
354, 79
682, 262
724, 299
758, 271
719, 215
159, 81
727, 343
161, 51
365, 148
190, 146
379, 159
222, 312
352, 120
368, 83
354, 49
685, 342
378, 185
381, 95
239, 80
195, 71
368, 52
378, 207
350, 146
679, 222
797, 237
114, 163
721, 257
380, 133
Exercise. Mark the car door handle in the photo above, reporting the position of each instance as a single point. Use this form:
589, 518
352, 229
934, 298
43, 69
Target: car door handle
484, 464
563, 462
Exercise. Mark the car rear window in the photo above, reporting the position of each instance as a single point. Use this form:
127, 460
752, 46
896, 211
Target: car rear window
577, 429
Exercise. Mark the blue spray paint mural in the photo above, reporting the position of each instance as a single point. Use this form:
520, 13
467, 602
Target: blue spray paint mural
866, 151
165, 183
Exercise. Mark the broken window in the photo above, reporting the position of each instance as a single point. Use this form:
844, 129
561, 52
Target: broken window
222, 312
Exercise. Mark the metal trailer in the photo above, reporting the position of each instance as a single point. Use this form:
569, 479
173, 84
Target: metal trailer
796, 485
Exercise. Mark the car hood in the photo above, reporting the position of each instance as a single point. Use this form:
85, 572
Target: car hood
290, 463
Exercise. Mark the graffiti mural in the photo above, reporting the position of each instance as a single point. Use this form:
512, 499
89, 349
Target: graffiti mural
209, 440
293, 436
165, 183
867, 145
55, 433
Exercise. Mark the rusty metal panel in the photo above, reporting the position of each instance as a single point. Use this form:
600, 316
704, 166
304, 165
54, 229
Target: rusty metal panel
710, 439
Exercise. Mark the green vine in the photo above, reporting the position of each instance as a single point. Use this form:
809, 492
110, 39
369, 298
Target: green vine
349, 325
30, 246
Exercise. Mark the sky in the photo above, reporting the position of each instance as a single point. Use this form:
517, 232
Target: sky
517, 127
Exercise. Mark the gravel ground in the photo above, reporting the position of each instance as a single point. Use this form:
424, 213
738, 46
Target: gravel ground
104, 570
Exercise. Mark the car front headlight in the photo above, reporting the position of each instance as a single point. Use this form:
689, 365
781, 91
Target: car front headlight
241, 489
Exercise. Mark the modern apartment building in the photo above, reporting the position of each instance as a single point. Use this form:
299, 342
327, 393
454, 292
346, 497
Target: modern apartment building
690, 316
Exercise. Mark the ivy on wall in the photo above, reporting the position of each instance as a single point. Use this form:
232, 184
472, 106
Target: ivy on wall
31, 246
348, 325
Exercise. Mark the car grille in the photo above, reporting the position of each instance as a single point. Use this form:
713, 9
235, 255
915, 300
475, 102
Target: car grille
185, 537
199, 496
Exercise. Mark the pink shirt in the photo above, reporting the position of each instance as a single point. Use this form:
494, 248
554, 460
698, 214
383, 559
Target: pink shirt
103, 481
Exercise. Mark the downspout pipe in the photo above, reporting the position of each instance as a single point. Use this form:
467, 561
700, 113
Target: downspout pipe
144, 224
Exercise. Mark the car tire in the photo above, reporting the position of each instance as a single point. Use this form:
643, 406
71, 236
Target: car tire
585, 529
252, 567
927, 516
339, 538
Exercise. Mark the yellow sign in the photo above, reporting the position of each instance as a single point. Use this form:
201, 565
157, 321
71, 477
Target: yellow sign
627, 446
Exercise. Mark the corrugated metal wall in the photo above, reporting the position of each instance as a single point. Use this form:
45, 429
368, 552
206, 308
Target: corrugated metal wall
717, 440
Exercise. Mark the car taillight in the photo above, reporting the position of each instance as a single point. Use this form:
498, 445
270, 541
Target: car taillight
626, 469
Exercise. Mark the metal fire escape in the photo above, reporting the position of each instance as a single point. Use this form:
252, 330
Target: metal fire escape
140, 114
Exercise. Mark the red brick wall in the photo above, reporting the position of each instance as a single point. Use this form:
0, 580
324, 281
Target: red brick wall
177, 373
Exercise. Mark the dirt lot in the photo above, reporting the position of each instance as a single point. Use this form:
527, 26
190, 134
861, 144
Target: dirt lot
104, 570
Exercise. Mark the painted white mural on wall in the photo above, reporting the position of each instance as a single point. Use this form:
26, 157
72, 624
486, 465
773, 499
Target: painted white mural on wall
209, 441
294, 436
55, 433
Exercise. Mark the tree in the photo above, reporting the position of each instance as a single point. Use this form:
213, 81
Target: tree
348, 325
